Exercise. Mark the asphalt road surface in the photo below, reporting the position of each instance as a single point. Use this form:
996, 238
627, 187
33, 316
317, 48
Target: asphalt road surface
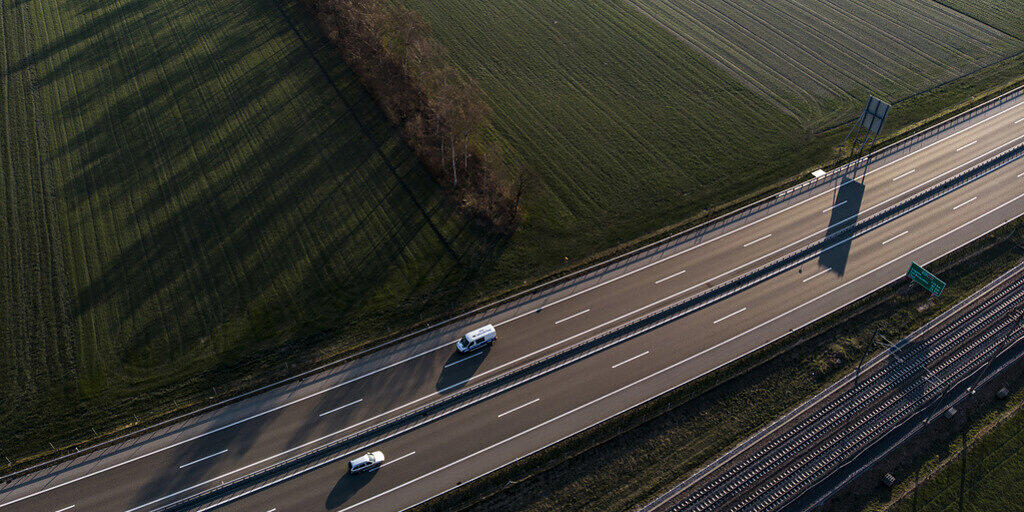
193, 455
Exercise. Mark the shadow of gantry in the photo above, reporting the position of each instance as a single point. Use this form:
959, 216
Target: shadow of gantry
845, 210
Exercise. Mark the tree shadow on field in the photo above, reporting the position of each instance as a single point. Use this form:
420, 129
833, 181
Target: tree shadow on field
235, 187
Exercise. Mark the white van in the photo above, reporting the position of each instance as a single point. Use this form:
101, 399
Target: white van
370, 462
477, 339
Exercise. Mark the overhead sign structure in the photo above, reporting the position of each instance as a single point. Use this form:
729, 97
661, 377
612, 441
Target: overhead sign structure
873, 117
868, 126
919, 275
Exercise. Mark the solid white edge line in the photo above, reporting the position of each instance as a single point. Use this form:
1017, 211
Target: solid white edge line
965, 203
908, 173
965, 146
229, 425
833, 207
536, 351
638, 356
419, 399
289, 450
795, 205
531, 354
336, 409
420, 354
212, 455
666, 278
398, 459
570, 317
752, 242
709, 349
895, 237
816, 275
514, 409
730, 315
701, 353
464, 359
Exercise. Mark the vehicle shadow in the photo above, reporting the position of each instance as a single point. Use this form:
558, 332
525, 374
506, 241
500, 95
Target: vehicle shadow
346, 487
845, 210
459, 368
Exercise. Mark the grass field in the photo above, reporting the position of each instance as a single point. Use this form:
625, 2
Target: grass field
626, 128
200, 198
1004, 15
820, 60
991, 471
183, 181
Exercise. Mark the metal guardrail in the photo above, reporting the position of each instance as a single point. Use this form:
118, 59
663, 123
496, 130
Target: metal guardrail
830, 390
968, 359
813, 425
914, 139
738, 213
568, 355
938, 343
985, 379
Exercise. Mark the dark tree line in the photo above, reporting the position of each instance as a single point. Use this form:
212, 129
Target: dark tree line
442, 114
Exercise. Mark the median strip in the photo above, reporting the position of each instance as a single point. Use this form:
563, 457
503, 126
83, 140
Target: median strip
305, 462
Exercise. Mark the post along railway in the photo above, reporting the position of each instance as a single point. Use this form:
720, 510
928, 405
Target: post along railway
175, 466
909, 383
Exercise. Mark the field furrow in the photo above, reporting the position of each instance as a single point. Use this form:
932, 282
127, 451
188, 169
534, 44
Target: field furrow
820, 59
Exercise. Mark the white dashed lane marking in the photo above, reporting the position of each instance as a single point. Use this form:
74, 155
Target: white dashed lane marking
514, 409
752, 242
965, 146
965, 203
570, 317
638, 356
730, 315
895, 237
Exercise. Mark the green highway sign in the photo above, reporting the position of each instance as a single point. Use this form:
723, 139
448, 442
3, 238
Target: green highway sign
919, 275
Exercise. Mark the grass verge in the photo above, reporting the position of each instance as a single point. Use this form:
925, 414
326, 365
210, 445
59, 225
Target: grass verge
632, 458
933, 471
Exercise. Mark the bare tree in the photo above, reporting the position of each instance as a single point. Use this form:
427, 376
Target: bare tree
443, 116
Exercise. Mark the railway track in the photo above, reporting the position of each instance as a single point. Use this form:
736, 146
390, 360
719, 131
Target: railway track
772, 472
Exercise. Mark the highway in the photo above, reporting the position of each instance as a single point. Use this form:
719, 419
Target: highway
181, 459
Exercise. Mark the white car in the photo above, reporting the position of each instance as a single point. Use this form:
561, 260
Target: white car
370, 462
